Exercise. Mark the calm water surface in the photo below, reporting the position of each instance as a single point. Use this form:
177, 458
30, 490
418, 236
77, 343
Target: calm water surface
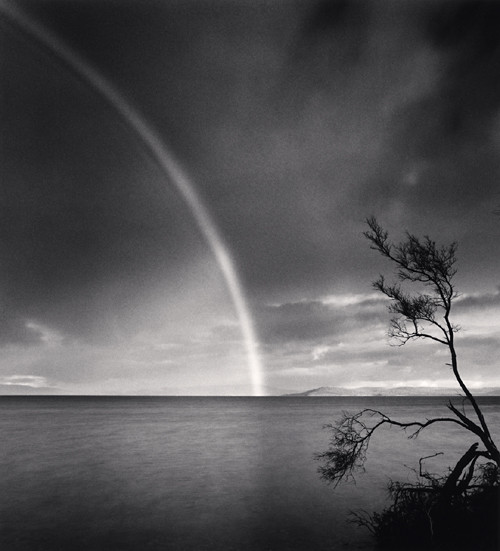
105, 474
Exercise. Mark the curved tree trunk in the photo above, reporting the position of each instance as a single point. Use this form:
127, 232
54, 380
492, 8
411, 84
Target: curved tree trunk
451, 485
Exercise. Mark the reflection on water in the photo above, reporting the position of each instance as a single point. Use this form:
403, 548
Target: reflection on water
194, 473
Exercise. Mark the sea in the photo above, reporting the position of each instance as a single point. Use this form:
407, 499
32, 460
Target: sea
201, 473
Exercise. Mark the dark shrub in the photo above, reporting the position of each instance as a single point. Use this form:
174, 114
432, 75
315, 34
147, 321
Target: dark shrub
422, 518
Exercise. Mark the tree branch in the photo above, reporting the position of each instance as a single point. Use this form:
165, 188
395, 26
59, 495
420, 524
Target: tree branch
351, 437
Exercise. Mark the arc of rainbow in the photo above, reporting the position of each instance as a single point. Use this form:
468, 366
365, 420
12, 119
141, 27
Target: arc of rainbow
169, 165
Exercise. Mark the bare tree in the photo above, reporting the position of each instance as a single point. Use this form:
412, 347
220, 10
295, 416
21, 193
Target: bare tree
422, 314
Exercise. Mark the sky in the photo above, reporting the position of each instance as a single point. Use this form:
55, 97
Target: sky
292, 123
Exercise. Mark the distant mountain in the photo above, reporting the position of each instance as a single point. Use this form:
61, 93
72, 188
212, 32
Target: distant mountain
395, 391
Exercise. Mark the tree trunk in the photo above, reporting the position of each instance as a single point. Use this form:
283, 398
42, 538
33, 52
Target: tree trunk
451, 484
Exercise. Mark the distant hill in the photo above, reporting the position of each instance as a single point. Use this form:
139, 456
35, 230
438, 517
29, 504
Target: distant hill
395, 391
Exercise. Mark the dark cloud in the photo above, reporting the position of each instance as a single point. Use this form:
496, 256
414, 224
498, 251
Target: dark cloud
331, 39
485, 352
315, 320
444, 145
478, 301
467, 97
326, 16
299, 321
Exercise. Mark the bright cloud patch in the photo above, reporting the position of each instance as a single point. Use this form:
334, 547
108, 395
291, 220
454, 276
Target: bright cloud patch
33, 381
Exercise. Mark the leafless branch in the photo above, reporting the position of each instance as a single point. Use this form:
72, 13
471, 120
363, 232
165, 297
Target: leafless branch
351, 437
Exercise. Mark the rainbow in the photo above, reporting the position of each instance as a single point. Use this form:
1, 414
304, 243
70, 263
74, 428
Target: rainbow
167, 162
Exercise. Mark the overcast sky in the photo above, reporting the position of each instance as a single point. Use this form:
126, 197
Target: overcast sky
294, 121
